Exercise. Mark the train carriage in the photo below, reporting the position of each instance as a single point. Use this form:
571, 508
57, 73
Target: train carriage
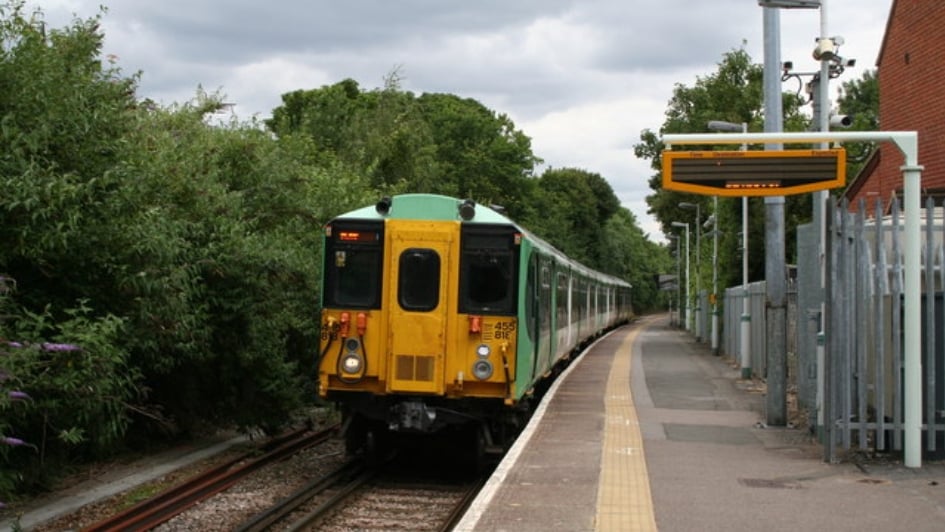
440, 314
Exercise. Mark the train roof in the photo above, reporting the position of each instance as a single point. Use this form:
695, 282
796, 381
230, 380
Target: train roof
427, 207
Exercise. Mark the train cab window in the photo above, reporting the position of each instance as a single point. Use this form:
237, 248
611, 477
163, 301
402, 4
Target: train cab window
488, 269
354, 253
418, 286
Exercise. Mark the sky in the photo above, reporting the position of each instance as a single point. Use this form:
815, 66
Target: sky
581, 78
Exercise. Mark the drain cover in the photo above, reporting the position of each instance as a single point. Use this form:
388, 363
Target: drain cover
769, 483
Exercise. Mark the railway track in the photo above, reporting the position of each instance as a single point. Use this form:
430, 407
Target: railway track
342, 482
162, 507
395, 505
352, 498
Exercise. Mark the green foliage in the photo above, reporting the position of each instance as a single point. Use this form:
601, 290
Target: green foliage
181, 256
860, 100
79, 384
218, 263
61, 121
627, 253
481, 155
436, 143
734, 93
565, 214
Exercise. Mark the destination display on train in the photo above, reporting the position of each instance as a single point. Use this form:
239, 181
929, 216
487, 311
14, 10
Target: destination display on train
754, 173
357, 236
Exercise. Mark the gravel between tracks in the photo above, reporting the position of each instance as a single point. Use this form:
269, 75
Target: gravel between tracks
260, 490
224, 511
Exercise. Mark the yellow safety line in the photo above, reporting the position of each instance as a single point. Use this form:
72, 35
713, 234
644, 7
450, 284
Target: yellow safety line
624, 502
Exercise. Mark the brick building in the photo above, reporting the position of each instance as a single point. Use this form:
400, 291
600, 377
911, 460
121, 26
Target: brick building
911, 77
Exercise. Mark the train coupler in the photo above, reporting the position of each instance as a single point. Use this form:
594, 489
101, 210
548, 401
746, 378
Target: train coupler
412, 416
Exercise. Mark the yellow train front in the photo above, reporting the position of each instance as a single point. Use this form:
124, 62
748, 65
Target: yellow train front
442, 315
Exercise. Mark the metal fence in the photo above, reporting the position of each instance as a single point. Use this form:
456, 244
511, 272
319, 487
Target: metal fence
731, 338
861, 369
864, 396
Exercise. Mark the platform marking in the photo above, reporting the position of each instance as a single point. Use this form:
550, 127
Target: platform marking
624, 502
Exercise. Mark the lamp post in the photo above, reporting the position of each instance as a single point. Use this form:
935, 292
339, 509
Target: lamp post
745, 336
688, 301
698, 324
712, 221
678, 296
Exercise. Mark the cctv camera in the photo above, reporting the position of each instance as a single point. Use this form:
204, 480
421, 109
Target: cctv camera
826, 50
841, 120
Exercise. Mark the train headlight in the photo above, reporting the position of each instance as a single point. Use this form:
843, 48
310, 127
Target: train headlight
483, 350
482, 369
352, 363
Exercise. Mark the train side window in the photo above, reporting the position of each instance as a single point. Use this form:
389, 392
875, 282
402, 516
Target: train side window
561, 302
418, 287
531, 295
544, 297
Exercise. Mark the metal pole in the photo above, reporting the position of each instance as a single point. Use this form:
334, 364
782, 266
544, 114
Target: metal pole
698, 302
912, 328
745, 324
678, 285
688, 297
715, 276
688, 300
775, 278
675, 319
745, 348
820, 217
698, 322
746, 304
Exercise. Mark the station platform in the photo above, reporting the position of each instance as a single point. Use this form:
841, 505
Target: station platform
648, 430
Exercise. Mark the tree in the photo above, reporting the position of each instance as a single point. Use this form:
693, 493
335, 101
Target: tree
63, 115
566, 214
626, 252
436, 143
860, 100
481, 154
733, 93
180, 257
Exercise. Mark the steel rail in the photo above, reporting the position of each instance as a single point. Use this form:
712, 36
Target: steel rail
160, 508
271, 515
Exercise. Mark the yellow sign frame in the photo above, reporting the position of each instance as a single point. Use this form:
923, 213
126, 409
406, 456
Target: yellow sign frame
754, 173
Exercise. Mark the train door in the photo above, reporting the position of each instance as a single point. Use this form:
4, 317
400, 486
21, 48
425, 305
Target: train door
418, 299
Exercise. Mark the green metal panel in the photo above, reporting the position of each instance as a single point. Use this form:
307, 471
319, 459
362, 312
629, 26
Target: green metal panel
426, 207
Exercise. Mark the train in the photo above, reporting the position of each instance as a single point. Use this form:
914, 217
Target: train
440, 315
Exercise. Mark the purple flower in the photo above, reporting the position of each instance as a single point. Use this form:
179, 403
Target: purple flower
60, 347
18, 396
14, 344
9, 440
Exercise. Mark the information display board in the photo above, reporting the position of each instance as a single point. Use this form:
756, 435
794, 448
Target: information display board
754, 173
